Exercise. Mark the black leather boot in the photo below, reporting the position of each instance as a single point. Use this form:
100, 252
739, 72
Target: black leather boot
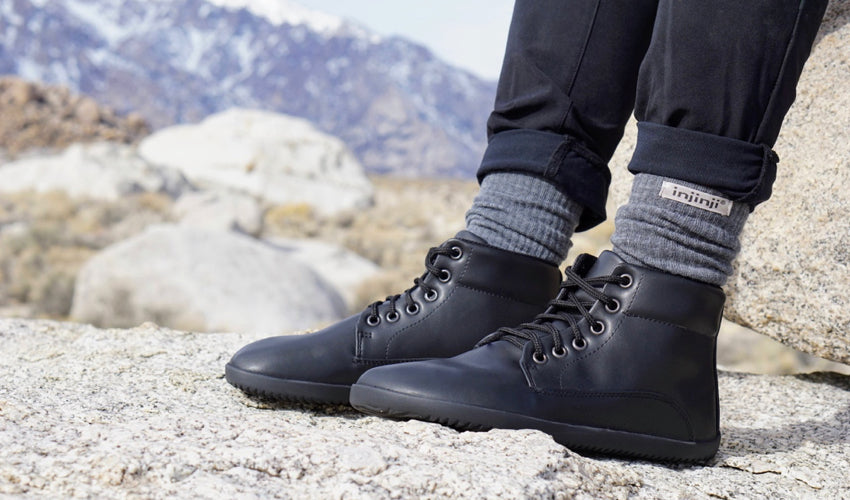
468, 290
621, 362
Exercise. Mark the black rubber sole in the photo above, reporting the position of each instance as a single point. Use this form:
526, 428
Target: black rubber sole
386, 403
297, 391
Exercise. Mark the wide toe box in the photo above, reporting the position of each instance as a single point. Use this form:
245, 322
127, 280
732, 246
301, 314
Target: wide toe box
326, 356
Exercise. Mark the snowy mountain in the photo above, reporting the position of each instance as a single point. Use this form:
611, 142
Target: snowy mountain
397, 107
286, 12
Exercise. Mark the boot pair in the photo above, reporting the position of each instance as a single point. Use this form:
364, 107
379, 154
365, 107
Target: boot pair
621, 361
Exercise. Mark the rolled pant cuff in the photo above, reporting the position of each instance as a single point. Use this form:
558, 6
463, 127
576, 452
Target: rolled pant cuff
578, 172
741, 170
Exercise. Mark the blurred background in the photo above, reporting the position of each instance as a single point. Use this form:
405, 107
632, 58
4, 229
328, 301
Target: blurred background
247, 165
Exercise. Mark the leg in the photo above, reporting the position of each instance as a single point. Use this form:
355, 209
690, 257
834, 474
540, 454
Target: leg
716, 84
564, 96
623, 360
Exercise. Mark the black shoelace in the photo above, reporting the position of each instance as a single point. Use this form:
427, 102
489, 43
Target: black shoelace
567, 307
430, 294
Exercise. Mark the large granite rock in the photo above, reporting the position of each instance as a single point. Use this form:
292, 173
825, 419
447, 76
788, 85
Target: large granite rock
147, 413
202, 280
103, 171
277, 158
792, 278
342, 268
220, 210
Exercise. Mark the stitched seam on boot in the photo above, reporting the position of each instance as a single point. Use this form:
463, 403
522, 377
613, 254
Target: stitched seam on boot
445, 301
626, 310
512, 299
388, 361
382, 362
615, 327
665, 323
359, 336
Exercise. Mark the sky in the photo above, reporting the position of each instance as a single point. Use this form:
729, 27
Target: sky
467, 33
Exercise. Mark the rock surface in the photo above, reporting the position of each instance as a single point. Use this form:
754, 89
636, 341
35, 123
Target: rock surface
202, 280
147, 413
279, 159
220, 210
790, 281
791, 278
37, 116
102, 171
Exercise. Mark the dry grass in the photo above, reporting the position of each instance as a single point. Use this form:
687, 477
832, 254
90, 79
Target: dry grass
46, 238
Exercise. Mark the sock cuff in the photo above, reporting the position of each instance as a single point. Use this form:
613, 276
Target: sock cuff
524, 214
680, 227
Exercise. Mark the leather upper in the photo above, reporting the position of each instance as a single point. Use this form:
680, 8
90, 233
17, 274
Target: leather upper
651, 370
486, 288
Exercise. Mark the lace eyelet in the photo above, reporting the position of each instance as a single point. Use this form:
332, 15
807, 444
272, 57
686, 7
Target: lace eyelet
393, 316
628, 280
412, 309
559, 353
373, 320
579, 346
457, 253
539, 359
614, 307
597, 328
431, 295
445, 275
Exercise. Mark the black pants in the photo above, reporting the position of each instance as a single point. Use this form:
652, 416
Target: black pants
710, 82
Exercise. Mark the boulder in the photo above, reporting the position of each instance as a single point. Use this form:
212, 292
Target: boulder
221, 210
274, 157
38, 116
103, 171
147, 413
342, 268
16, 91
87, 111
791, 278
195, 279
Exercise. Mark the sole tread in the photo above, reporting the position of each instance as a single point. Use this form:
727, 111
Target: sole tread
468, 425
285, 390
282, 397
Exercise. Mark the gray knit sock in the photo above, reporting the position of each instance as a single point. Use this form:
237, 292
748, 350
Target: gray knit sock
680, 228
524, 214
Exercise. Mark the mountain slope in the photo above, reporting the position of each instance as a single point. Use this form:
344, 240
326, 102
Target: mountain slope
398, 108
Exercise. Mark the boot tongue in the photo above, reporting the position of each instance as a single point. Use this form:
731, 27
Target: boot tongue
468, 236
583, 264
588, 266
603, 265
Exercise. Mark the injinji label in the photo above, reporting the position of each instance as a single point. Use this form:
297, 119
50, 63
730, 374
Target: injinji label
696, 198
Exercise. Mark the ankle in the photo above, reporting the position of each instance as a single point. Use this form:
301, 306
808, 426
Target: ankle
687, 229
524, 214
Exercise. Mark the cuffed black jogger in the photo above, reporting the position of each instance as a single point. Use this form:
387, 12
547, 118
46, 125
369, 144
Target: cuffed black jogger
710, 83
